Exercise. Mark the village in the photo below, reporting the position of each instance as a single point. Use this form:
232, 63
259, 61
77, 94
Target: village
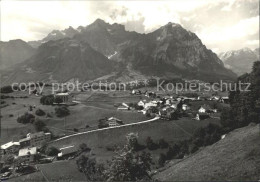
22, 156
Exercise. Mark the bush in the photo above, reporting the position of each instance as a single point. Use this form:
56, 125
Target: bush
47, 100
83, 147
62, 111
11, 115
39, 112
58, 100
39, 125
51, 151
150, 144
173, 151
49, 115
162, 144
6, 89
26, 118
161, 160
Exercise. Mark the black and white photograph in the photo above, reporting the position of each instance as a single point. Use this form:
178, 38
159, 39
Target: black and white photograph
129, 90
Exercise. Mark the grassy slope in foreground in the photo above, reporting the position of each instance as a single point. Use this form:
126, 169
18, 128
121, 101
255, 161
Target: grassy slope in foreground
236, 157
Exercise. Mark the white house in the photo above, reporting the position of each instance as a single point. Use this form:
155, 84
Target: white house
185, 107
204, 109
35, 139
150, 104
112, 121
10, 148
141, 103
28, 154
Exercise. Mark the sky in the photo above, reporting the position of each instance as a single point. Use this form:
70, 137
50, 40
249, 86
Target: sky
222, 25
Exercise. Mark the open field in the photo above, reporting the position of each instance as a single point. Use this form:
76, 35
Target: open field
57, 171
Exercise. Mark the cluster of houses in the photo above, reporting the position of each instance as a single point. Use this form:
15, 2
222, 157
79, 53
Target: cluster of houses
169, 106
26, 148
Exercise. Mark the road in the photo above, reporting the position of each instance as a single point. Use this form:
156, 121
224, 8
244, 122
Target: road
109, 128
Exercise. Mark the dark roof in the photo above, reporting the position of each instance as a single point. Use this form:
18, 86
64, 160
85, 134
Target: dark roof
68, 150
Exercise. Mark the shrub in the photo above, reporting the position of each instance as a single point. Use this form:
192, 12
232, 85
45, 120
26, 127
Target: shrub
162, 143
51, 151
39, 125
83, 147
161, 160
39, 112
150, 144
49, 115
47, 100
62, 111
26, 118
6, 89
58, 100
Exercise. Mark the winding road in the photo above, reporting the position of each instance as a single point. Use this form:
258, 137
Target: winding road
109, 128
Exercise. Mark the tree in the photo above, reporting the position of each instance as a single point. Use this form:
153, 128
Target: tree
162, 143
6, 89
83, 147
90, 168
132, 141
161, 160
62, 111
47, 100
51, 151
150, 144
39, 112
26, 118
127, 164
58, 100
39, 125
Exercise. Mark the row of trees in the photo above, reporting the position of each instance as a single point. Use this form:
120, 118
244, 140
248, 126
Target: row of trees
244, 105
50, 99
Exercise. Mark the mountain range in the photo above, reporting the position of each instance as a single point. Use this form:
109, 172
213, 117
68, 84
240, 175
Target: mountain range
107, 51
240, 61
13, 52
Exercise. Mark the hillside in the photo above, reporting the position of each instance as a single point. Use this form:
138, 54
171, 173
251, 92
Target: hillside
61, 60
236, 158
13, 52
170, 52
240, 61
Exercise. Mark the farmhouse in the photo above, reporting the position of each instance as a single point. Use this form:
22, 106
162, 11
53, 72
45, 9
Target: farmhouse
65, 97
224, 100
10, 148
39, 139
201, 116
185, 107
122, 108
136, 92
168, 114
35, 139
114, 122
205, 109
141, 103
67, 152
28, 154
150, 104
